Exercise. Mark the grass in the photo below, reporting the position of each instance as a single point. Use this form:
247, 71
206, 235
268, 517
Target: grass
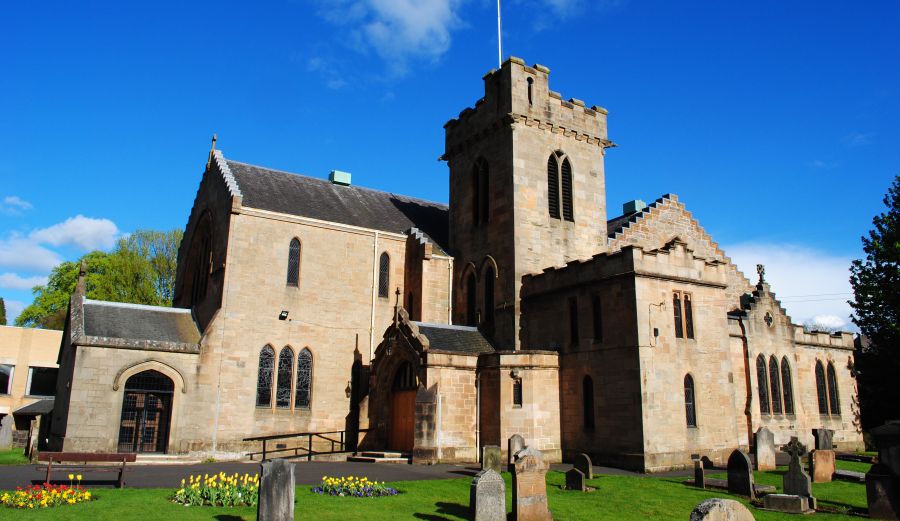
616, 497
13, 457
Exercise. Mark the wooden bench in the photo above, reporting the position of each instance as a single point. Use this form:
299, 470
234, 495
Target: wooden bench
68, 461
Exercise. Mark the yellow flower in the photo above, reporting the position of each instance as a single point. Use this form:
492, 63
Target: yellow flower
71, 476
78, 477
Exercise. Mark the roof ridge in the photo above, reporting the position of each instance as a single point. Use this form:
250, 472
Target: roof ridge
145, 307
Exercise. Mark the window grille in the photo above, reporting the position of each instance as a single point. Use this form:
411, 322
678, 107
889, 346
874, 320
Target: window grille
553, 186
384, 275
690, 409
293, 271
762, 384
587, 391
833, 397
821, 392
568, 213
787, 387
150, 381
775, 386
264, 377
517, 392
404, 378
285, 371
304, 380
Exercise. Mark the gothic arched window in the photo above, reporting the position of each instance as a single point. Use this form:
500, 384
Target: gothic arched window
762, 384
834, 402
264, 377
553, 186
775, 385
285, 371
676, 306
489, 280
304, 380
821, 392
690, 406
566, 170
471, 301
587, 393
559, 186
787, 387
293, 268
384, 275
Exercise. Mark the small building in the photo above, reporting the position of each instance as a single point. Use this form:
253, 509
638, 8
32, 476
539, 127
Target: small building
28, 371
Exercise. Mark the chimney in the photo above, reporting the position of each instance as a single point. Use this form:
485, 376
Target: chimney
339, 178
634, 206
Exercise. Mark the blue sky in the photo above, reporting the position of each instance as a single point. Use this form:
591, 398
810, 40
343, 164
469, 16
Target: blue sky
775, 122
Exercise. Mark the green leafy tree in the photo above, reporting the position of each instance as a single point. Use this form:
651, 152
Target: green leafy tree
876, 306
2, 312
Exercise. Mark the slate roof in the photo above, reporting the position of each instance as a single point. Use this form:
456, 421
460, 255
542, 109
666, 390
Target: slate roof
294, 194
461, 339
616, 224
137, 322
39, 407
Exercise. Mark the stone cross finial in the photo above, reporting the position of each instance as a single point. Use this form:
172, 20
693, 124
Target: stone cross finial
762, 273
212, 150
795, 449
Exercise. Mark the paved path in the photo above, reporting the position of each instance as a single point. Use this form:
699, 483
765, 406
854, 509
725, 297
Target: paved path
306, 473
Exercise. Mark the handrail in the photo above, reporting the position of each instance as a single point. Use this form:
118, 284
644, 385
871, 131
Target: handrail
308, 450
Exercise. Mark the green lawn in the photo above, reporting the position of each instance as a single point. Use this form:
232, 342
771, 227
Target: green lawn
616, 497
12, 457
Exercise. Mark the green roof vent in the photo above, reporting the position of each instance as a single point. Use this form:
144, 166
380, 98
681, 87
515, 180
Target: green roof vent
339, 178
634, 206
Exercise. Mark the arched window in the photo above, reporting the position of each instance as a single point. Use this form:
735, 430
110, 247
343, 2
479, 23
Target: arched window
568, 213
676, 306
285, 370
384, 275
690, 406
762, 383
264, 377
688, 316
587, 393
553, 186
489, 279
293, 269
530, 91
833, 397
821, 393
471, 301
517, 392
304, 379
775, 385
559, 183
404, 378
787, 387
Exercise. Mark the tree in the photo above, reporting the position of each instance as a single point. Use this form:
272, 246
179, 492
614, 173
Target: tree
2, 312
139, 270
876, 306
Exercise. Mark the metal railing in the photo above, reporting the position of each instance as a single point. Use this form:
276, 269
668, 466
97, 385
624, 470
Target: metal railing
337, 440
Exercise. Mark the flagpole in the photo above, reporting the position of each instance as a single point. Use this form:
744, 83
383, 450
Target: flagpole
499, 39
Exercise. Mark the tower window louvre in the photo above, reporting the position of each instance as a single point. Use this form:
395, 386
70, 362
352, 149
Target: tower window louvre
568, 213
553, 186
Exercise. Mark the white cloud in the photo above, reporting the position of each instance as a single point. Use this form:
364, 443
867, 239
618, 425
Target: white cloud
24, 253
13, 309
823, 165
858, 139
826, 323
809, 283
14, 281
14, 205
84, 232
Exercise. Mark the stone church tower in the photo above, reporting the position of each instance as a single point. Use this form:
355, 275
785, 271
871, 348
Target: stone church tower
527, 192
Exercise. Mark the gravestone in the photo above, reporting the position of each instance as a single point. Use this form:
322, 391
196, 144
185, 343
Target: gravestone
487, 496
699, 477
490, 458
6, 434
514, 445
583, 463
717, 509
823, 439
821, 465
764, 449
883, 479
575, 480
796, 481
530, 486
276, 491
787, 503
740, 474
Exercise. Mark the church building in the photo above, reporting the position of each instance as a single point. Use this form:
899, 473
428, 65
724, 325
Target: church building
526, 306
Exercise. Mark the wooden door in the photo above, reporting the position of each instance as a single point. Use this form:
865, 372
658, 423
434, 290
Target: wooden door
403, 420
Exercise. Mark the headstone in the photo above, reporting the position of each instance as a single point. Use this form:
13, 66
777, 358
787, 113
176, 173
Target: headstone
887, 440
490, 458
823, 439
276, 491
31, 448
487, 496
514, 445
717, 509
530, 486
740, 474
787, 503
699, 478
764, 449
796, 481
6, 434
883, 479
821, 465
575, 480
583, 463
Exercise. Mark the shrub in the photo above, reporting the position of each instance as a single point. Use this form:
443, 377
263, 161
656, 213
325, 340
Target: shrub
46, 495
353, 487
219, 490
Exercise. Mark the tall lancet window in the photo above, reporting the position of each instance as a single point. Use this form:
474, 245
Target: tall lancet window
304, 380
293, 270
264, 377
384, 275
787, 386
285, 371
559, 186
775, 386
762, 384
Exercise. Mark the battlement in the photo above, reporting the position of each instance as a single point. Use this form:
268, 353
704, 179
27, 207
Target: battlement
521, 94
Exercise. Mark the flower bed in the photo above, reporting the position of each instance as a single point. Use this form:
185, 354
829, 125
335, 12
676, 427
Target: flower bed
46, 495
353, 487
219, 490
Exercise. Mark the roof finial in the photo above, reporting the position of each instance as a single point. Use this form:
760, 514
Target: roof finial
762, 273
212, 150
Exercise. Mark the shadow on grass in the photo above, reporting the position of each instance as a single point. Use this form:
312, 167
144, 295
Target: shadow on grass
450, 509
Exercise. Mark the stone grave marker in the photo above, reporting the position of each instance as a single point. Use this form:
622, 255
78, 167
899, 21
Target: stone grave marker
575, 480
796, 481
699, 477
490, 458
883, 479
487, 496
6, 434
821, 465
787, 503
583, 463
514, 445
276, 491
764, 449
740, 474
823, 439
530, 486
717, 509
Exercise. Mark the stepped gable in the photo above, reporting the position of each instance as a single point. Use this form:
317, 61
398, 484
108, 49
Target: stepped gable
294, 194
663, 219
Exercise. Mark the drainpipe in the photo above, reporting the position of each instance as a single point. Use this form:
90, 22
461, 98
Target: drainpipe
450, 291
748, 408
478, 417
440, 455
374, 296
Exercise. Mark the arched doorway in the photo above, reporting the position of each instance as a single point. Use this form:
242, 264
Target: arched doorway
403, 409
146, 413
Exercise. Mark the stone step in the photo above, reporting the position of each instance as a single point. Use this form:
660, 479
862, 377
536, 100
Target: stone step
385, 454
370, 459
166, 459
